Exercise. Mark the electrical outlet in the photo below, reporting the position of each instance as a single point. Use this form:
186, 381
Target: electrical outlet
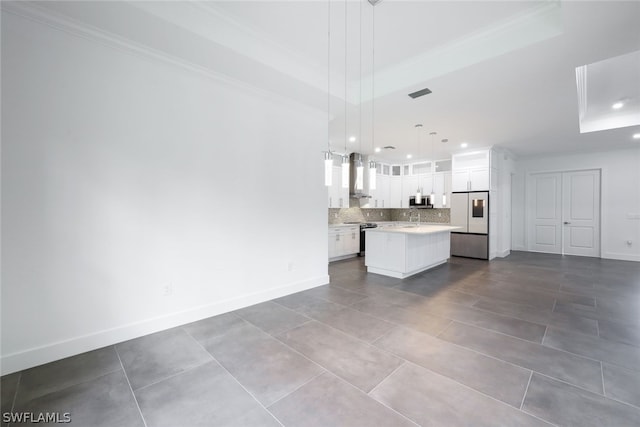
335, 215
367, 214
439, 214
380, 213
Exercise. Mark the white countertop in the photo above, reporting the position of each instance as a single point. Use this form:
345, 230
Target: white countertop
414, 229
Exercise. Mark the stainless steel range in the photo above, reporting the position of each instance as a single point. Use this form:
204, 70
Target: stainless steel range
363, 226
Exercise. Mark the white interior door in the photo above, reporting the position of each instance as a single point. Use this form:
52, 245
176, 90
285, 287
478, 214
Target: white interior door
581, 213
545, 207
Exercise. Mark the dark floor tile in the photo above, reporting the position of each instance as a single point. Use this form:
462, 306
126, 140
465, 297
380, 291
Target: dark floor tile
213, 326
507, 325
154, 357
614, 331
431, 399
414, 319
496, 378
267, 368
8, 388
297, 300
358, 363
621, 384
573, 323
335, 294
271, 317
44, 379
519, 311
594, 347
348, 320
559, 364
518, 296
329, 401
597, 313
104, 401
204, 396
563, 404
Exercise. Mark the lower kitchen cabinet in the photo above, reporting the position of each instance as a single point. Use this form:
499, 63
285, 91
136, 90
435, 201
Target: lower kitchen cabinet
343, 242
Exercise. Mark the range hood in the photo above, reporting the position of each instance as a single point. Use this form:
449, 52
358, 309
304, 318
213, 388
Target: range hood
358, 197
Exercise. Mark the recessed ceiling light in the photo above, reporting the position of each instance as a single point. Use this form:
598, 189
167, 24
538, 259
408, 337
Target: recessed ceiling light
617, 105
352, 139
636, 136
464, 145
378, 149
409, 156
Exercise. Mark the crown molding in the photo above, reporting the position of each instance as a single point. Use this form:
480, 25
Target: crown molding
38, 14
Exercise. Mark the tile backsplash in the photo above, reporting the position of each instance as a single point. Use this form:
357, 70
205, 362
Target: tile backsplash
340, 216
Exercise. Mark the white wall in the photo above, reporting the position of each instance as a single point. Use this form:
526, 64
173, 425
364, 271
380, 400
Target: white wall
620, 197
123, 175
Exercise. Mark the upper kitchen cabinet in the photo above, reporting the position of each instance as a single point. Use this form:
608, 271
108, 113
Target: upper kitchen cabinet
471, 171
338, 197
380, 197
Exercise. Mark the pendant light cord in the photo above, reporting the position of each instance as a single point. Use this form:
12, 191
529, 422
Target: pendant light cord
329, 76
345, 77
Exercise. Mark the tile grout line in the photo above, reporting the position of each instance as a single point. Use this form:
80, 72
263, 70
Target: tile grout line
387, 377
526, 390
478, 391
375, 400
234, 378
598, 327
135, 399
313, 377
546, 328
529, 369
622, 402
184, 371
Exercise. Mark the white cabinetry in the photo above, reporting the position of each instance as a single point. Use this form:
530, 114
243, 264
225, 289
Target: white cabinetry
471, 171
343, 242
380, 197
338, 197
395, 193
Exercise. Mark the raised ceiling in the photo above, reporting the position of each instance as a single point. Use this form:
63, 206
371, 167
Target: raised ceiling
502, 73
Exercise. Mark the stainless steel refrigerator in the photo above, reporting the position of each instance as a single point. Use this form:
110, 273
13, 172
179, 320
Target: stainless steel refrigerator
470, 211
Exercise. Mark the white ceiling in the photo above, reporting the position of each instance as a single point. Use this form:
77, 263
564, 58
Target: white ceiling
502, 73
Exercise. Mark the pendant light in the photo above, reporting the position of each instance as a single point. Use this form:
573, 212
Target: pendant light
328, 157
432, 198
419, 190
359, 173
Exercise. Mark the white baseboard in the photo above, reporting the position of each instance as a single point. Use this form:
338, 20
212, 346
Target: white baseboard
48, 353
504, 253
621, 257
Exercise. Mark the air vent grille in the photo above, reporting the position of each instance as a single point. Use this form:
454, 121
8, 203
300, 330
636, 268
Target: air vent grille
422, 92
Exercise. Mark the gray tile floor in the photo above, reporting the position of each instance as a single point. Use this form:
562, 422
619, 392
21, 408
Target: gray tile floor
532, 339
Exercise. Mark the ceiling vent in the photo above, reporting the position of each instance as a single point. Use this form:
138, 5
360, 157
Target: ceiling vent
422, 92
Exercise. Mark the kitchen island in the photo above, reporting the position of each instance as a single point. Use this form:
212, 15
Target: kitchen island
403, 251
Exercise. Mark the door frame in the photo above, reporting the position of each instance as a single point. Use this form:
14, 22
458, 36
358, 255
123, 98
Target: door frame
529, 208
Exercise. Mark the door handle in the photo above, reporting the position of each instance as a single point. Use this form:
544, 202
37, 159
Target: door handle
566, 223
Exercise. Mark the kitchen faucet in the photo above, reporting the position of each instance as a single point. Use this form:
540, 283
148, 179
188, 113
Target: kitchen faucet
411, 216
